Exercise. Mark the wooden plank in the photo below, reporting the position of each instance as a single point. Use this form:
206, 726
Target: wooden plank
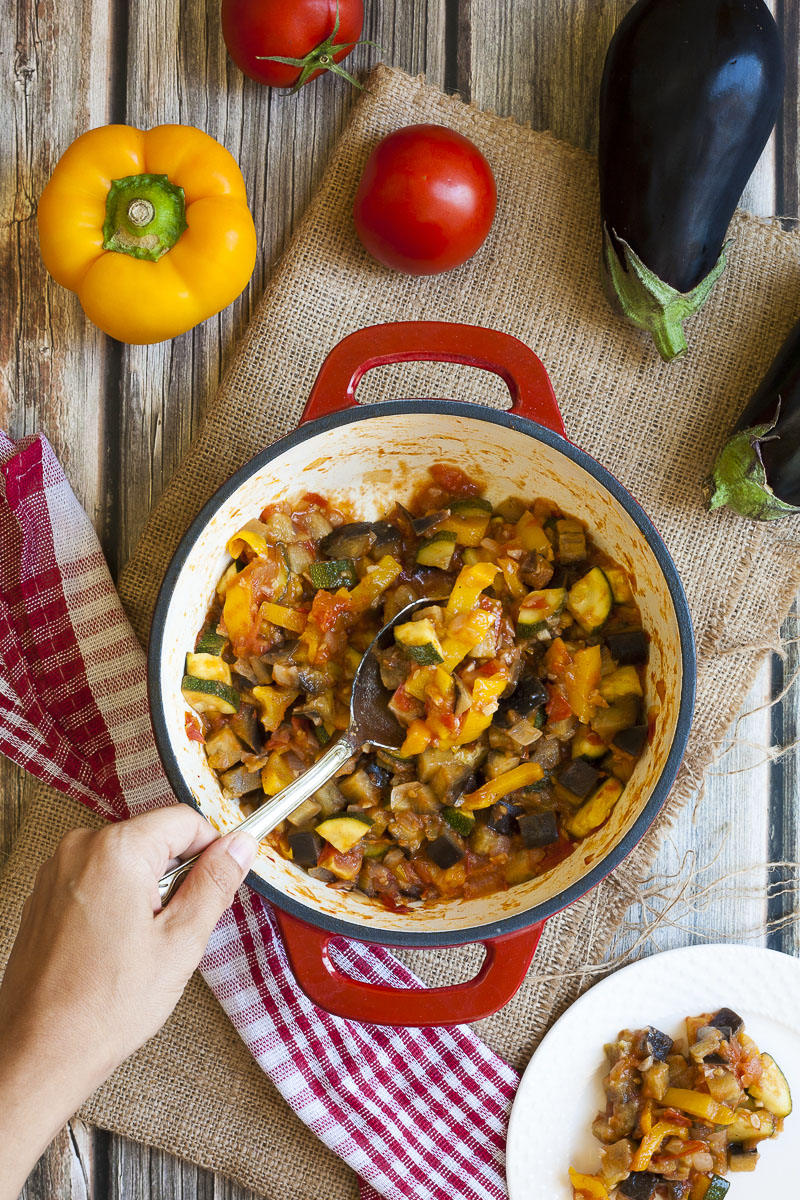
66, 1172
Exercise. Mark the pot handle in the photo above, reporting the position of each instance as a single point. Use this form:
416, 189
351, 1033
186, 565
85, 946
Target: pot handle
502, 972
531, 391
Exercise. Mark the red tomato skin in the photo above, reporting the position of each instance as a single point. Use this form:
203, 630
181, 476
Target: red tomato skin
426, 200
289, 28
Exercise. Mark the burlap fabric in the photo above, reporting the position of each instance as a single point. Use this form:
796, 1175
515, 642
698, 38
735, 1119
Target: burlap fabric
193, 1090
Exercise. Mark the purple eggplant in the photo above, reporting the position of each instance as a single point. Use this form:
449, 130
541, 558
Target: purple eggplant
757, 473
690, 93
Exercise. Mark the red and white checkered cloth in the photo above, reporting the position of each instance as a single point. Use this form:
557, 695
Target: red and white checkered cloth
419, 1114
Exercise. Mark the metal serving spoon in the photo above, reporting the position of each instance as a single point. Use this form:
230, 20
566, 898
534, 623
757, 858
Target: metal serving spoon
371, 724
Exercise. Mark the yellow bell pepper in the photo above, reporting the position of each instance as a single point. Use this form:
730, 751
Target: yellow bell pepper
374, 584
249, 535
286, 618
237, 612
519, 777
587, 1187
487, 688
581, 680
651, 1142
417, 738
457, 646
533, 536
471, 581
277, 774
150, 228
698, 1104
510, 569
273, 703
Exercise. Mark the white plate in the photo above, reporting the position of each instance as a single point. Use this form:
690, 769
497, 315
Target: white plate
561, 1091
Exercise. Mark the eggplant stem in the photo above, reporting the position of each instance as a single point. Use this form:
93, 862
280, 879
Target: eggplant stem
647, 301
740, 479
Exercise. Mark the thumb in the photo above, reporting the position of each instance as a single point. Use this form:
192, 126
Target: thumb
210, 886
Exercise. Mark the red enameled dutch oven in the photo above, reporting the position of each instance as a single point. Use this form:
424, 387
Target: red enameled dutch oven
370, 457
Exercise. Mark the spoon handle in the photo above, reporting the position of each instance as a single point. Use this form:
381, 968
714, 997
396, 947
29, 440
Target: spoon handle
271, 813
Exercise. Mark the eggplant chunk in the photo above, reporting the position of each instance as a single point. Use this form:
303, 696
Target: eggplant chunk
538, 829
640, 1185
631, 741
444, 852
579, 779
690, 92
349, 541
631, 648
529, 695
305, 847
658, 1044
502, 817
727, 1022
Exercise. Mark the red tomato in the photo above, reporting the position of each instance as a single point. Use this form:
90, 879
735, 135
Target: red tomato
426, 200
255, 30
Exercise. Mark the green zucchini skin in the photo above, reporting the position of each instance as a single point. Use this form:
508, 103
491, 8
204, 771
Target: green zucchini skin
690, 92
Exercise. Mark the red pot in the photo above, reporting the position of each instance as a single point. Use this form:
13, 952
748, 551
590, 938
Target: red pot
372, 456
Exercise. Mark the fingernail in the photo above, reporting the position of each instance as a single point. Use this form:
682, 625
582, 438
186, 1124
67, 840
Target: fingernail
243, 850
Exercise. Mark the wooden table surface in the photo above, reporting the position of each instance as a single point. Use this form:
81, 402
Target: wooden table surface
121, 417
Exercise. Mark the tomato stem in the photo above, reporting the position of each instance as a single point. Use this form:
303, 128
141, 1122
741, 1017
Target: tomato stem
321, 58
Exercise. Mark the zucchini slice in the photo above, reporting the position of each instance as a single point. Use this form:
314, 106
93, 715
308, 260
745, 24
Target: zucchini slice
751, 1126
620, 588
587, 744
420, 642
772, 1089
208, 666
210, 642
590, 600
472, 506
343, 833
462, 822
438, 550
538, 608
717, 1189
596, 809
209, 695
624, 681
333, 573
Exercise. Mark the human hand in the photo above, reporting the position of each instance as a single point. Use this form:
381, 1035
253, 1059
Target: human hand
97, 967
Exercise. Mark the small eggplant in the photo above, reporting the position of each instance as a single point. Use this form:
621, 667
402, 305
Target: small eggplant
757, 473
690, 93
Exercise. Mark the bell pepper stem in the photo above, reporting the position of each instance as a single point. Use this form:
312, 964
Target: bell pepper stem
145, 216
647, 301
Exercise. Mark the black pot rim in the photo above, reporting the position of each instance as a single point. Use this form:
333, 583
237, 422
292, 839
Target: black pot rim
604, 867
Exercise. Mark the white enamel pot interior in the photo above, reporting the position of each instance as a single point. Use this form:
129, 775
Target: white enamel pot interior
369, 458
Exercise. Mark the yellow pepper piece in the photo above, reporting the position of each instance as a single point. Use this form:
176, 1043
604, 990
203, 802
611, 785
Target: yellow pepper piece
587, 1187
277, 774
510, 569
596, 810
249, 535
651, 1142
457, 646
273, 703
581, 681
443, 682
418, 682
495, 789
698, 1104
417, 738
150, 228
467, 589
470, 529
533, 536
487, 688
374, 584
475, 723
237, 611
286, 618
